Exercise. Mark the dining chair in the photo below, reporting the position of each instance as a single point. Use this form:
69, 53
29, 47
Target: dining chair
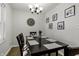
21, 39
23, 47
20, 46
73, 51
33, 34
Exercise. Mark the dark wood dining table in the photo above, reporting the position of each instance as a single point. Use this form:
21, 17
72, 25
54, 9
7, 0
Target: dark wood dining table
36, 50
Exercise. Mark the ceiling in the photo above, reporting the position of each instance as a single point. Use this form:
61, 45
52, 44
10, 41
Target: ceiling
24, 6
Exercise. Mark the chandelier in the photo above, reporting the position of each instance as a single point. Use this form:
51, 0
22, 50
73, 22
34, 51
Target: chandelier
35, 8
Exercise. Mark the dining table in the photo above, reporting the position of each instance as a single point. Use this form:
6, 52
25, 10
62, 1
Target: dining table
47, 46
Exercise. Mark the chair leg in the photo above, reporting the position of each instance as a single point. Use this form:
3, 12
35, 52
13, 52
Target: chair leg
21, 54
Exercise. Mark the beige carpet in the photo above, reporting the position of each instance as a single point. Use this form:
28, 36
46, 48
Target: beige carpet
16, 52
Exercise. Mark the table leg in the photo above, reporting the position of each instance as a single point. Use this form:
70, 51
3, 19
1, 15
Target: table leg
66, 51
56, 53
49, 54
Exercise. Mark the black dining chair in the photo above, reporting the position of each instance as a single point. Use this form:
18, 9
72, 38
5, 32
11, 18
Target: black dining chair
33, 34
22, 39
23, 47
20, 46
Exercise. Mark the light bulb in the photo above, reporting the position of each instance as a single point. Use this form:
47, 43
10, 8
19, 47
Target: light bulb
41, 8
32, 10
36, 5
30, 6
38, 11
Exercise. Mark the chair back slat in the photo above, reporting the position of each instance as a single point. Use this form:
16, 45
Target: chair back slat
20, 46
22, 39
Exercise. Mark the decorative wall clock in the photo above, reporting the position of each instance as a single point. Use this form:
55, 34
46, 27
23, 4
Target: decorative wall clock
31, 22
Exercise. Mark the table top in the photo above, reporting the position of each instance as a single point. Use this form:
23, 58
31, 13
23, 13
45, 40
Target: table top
38, 50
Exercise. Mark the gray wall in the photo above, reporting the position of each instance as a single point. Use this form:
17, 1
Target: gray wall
16, 23
70, 34
20, 23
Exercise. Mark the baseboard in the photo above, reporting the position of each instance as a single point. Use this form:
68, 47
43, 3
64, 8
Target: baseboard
61, 53
10, 49
7, 51
15, 45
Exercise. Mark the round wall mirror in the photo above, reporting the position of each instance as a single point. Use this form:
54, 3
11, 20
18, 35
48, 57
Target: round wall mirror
31, 22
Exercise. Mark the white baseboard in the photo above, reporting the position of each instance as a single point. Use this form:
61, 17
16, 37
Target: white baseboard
15, 45
61, 53
7, 51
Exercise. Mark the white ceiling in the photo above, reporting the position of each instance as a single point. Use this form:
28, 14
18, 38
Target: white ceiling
24, 6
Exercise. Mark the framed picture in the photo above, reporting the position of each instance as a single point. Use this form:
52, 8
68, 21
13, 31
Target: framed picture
47, 20
54, 17
70, 11
60, 25
50, 25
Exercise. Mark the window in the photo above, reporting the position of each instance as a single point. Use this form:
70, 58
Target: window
2, 23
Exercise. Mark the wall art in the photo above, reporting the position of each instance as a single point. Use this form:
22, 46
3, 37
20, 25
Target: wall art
70, 11
54, 17
60, 25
